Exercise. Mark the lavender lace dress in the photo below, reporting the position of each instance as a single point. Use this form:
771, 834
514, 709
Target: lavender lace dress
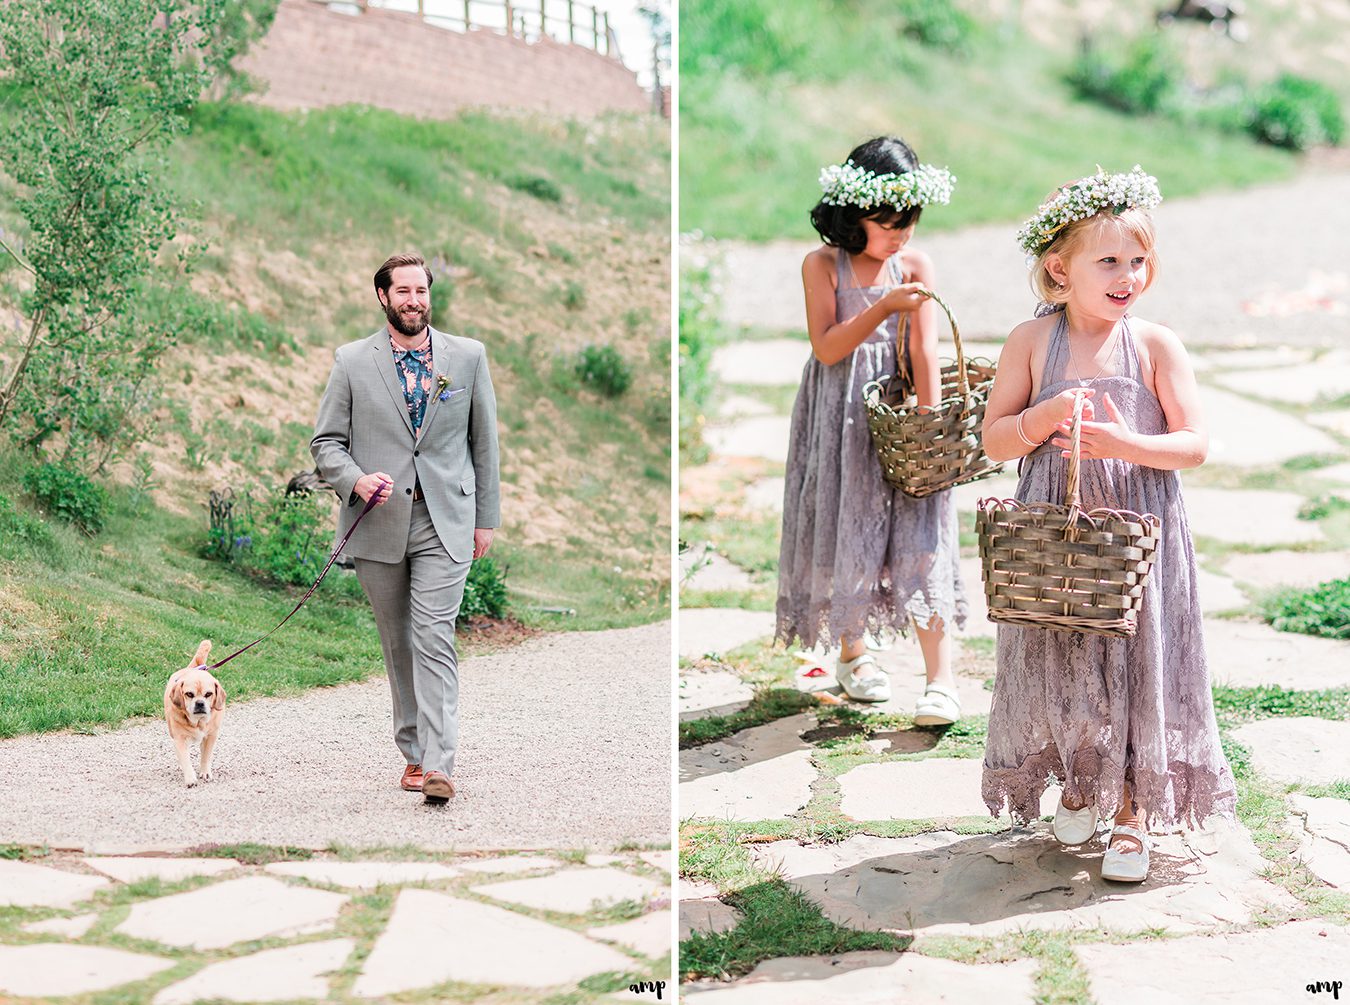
856, 555
1093, 711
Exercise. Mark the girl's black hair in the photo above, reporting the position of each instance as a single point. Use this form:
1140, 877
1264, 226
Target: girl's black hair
841, 226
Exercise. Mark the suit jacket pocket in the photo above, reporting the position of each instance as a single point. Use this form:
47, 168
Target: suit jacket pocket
466, 485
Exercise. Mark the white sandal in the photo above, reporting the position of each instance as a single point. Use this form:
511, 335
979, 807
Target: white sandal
876, 687
939, 706
1075, 826
1126, 866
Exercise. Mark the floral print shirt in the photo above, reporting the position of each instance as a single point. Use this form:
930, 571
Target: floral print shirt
415, 375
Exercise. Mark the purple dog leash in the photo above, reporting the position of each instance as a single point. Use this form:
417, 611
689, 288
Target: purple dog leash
370, 505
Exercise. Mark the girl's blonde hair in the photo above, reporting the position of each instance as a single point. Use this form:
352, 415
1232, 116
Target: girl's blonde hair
1137, 223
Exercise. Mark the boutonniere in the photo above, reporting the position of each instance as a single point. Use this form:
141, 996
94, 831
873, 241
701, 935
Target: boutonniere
443, 386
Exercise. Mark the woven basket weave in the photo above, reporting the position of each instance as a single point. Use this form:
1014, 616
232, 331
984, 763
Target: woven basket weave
926, 452
1049, 566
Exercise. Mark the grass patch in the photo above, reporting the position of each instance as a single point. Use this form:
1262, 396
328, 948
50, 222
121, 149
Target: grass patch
767, 705
1321, 610
248, 853
1234, 705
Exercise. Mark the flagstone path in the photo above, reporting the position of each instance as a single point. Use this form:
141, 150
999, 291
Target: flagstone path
923, 858
451, 929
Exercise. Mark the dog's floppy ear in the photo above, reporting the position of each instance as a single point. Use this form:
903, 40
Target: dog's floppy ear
218, 702
176, 692
203, 651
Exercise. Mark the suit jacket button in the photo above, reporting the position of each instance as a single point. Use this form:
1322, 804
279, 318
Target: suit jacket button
409, 491
417, 453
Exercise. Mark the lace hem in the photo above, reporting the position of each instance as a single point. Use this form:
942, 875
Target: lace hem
1185, 795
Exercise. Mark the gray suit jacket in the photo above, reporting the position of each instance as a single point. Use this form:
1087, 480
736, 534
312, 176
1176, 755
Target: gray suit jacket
363, 427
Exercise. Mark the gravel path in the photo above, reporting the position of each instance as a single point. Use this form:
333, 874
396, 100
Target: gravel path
1227, 260
565, 743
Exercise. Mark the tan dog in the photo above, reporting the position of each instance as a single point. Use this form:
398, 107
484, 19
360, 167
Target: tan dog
194, 705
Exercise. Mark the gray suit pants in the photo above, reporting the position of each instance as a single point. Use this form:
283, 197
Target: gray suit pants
416, 602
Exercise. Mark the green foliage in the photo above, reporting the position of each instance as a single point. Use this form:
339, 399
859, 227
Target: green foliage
97, 90
938, 24
484, 591
1147, 80
767, 705
230, 527
22, 535
759, 36
193, 319
699, 336
1298, 113
540, 188
1242, 704
289, 541
1322, 610
602, 368
573, 295
70, 495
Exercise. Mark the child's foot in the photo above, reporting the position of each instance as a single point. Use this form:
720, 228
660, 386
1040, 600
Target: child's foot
1126, 859
1074, 826
939, 706
870, 685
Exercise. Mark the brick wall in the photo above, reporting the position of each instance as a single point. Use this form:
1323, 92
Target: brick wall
313, 57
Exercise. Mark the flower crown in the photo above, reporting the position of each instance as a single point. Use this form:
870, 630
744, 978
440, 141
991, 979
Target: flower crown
1086, 197
849, 185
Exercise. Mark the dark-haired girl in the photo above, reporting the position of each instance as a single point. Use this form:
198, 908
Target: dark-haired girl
858, 556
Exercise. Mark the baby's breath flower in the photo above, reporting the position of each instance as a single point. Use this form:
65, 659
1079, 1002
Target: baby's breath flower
1085, 197
849, 185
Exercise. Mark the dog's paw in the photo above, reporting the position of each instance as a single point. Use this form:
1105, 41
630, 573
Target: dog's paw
189, 780
206, 776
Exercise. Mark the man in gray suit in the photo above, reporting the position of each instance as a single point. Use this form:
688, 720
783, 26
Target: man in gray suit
409, 418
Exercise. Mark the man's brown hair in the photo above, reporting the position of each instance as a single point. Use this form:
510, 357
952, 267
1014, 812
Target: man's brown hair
383, 275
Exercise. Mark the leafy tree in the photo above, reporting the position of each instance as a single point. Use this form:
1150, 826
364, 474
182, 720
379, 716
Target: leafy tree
92, 92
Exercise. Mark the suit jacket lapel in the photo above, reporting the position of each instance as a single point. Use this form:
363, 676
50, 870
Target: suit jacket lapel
383, 359
440, 360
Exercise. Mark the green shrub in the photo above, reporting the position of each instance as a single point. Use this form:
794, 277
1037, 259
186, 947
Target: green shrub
938, 24
574, 295
484, 591
540, 188
1298, 113
699, 335
602, 368
22, 534
230, 530
69, 495
1323, 610
1146, 82
290, 541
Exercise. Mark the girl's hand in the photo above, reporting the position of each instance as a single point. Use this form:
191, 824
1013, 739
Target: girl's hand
904, 298
1097, 440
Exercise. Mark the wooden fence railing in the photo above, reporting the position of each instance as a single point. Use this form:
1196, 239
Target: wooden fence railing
561, 20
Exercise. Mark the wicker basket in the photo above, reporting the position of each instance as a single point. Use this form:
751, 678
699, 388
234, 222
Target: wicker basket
1048, 566
926, 452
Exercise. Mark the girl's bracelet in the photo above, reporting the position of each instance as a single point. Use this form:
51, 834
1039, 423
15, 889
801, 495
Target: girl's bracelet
1021, 433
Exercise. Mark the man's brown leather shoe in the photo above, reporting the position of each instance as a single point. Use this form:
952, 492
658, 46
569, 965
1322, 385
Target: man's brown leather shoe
412, 778
437, 787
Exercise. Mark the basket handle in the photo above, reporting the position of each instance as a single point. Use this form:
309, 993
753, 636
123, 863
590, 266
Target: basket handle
903, 337
1075, 449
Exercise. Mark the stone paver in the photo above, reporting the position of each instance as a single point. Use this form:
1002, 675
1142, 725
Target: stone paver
1255, 359
763, 362
52, 970
1299, 749
706, 914
873, 978
1271, 569
233, 911
765, 494
1338, 474
758, 774
1337, 421
1265, 967
573, 891
1323, 825
272, 975
432, 938
944, 884
1218, 592
131, 869
364, 875
713, 573
917, 790
761, 436
711, 692
1327, 377
71, 928
597, 860
977, 624
1250, 654
706, 630
1248, 516
23, 884
648, 935
1245, 433
739, 406
509, 864
663, 859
